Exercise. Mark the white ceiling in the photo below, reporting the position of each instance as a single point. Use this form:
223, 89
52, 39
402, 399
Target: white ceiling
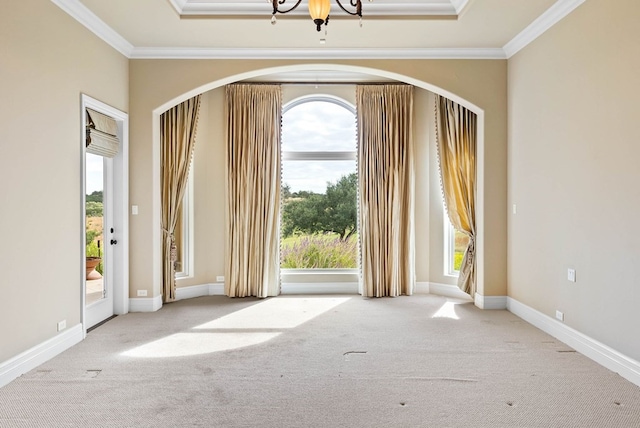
243, 29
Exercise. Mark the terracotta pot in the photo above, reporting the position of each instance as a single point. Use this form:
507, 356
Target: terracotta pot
91, 264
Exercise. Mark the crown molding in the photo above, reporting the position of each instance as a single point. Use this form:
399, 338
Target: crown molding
545, 21
90, 20
258, 8
459, 5
319, 53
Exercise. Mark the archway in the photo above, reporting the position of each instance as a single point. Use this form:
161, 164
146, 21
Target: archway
157, 260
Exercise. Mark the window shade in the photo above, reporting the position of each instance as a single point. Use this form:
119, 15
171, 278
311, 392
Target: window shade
102, 132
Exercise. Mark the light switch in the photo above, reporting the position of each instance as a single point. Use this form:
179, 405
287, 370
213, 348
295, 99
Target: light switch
134, 210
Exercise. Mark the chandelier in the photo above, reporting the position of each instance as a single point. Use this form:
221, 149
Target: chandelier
318, 9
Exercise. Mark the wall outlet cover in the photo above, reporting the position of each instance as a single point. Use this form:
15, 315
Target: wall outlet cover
219, 278
142, 293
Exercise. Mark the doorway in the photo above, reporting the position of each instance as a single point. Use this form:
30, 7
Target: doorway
105, 214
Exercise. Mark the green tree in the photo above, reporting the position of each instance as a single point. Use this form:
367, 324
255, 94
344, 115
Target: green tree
333, 212
303, 214
340, 206
95, 196
93, 209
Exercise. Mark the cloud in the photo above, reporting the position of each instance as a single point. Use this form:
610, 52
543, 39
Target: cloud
317, 126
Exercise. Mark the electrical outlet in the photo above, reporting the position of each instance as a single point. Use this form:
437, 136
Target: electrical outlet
219, 278
142, 293
560, 316
571, 275
62, 325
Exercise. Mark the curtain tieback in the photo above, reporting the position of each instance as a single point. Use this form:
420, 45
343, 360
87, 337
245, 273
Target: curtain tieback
173, 252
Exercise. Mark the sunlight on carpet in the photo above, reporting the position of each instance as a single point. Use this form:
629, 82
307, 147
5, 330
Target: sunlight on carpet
189, 344
278, 313
448, 310
289, 312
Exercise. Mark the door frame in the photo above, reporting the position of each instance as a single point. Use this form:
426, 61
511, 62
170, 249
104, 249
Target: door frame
120, 252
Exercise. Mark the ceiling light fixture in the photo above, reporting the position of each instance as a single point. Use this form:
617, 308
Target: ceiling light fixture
318, 9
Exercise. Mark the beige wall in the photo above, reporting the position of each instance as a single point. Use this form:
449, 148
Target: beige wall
209, 186
574, 146
161, 83
48, 60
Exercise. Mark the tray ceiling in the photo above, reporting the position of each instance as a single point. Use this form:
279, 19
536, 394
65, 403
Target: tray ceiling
390, 29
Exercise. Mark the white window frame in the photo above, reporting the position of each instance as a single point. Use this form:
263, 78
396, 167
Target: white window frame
449, 247
187, 262
314, 275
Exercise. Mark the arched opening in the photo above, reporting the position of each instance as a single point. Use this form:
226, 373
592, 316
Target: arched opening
268, 73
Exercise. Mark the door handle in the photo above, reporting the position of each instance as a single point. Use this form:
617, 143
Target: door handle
114, 242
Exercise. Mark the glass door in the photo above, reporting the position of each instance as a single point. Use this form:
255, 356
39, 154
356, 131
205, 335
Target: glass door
99, 239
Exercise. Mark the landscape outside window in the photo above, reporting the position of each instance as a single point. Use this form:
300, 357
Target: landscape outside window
319, 187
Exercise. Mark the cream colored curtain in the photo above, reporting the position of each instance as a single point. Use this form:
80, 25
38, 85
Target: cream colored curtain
456, 132
386, 183
177, 136
254, 114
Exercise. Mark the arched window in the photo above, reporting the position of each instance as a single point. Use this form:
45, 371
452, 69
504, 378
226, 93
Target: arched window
319, 184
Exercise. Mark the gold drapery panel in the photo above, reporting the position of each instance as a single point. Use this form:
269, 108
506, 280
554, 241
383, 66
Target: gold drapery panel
254, 114
177, 136
386, 183
456, 132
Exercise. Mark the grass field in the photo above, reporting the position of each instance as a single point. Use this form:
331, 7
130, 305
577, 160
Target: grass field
327, 251
319, 251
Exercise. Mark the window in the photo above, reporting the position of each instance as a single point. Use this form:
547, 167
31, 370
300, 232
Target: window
319, 185
455, 244
183, 233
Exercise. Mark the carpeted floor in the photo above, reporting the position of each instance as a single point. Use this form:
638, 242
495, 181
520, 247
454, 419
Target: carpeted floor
320, 361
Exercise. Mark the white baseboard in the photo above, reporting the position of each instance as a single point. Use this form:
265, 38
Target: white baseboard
447, 290
192, 291
319, 288
490, 302
145, 304
216, 289
421, 288
32, 358
626, 367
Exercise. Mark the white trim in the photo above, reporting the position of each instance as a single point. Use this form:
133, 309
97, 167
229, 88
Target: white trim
490, 302
548, 19
191, 291
315, 53
216, 289
97, 26
120, 209
459, 5
422, 288
257, 8
319, 288
149, 304
91, 21
448, 290
39, 354
319, 156
602, 354
187, 225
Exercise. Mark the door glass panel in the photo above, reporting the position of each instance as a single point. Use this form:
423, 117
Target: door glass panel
94, 228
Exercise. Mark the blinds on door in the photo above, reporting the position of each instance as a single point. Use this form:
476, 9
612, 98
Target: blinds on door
102, 133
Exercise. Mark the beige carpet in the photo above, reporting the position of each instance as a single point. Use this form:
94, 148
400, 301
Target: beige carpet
326, 361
